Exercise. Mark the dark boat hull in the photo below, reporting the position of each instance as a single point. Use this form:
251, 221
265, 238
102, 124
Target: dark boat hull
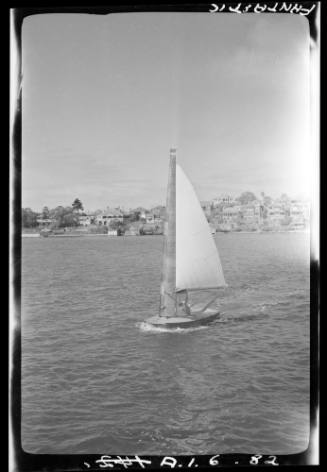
195, 319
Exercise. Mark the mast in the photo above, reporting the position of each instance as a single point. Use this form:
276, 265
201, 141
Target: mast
168, 281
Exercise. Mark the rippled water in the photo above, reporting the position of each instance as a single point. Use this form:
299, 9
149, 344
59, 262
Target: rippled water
96, 379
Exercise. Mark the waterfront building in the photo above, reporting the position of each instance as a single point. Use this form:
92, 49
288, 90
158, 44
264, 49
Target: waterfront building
231, 214
284, 201
151, 218
248, 214
86, 220
259, 209
109, 215
275, 214
113, 232
224, 199
45, 222
300, 214
252, 213
216, 220
298, 208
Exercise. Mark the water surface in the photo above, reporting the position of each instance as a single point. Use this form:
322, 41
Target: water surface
96, 379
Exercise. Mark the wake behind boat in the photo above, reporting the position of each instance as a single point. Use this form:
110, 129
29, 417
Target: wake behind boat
190, 262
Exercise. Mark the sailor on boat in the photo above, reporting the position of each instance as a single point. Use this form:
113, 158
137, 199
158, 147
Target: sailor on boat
185, 306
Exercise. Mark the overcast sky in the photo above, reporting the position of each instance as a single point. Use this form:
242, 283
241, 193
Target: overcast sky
105, 97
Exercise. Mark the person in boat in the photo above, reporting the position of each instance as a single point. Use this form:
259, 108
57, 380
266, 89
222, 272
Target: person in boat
187, 308
184, 304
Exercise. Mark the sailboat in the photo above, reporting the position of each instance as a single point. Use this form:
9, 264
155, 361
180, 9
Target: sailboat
191, 261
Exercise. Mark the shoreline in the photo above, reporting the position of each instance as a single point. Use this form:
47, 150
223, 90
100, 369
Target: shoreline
88, 235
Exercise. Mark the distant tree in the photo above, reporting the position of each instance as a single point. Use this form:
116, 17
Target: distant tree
239, 220
286, 221
45, 213
158, 211
97, 212
267, 200
68, 219
218, 209
264, 212
53, 211
119, 226
135, 216
99, 229
65, 217
115, 224
246, 197
77, 205
29, 218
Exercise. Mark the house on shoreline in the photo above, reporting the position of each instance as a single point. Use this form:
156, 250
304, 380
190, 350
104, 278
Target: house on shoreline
45, 222
265, 214
109, 215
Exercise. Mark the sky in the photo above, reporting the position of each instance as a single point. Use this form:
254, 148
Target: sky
104, 98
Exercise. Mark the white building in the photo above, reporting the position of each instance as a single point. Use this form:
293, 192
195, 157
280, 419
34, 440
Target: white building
276, 213
150, 217
109, 215
252, 213
44, 222
222, 199
231, 213
86, 220
300, 214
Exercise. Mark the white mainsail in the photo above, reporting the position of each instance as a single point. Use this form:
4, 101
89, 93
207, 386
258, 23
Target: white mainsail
197, 261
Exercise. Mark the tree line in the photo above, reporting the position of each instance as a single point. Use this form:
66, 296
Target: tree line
62, 216
69, 216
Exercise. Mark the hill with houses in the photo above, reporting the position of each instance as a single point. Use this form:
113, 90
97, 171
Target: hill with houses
224, 213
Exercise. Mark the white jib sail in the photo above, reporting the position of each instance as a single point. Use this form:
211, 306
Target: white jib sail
197, 261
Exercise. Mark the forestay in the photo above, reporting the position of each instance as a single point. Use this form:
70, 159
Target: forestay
197, 261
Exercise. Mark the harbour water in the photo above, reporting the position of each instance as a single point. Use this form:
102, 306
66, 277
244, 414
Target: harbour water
97, 379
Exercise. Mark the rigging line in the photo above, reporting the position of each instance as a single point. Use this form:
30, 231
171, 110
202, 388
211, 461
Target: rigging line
208, 304
169, 295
